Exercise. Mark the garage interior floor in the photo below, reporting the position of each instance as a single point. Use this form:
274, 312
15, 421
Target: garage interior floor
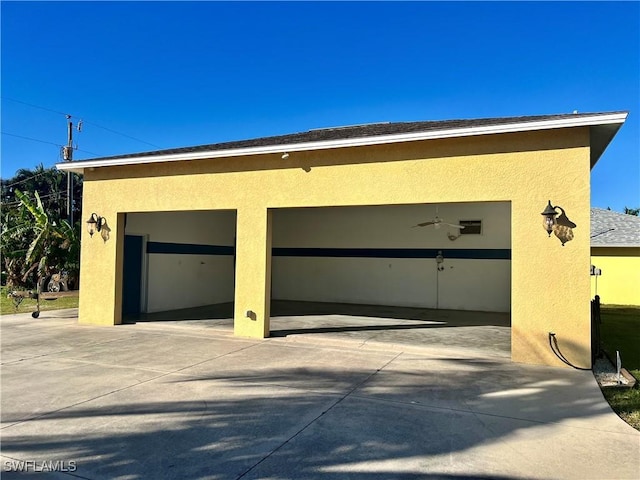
455, 331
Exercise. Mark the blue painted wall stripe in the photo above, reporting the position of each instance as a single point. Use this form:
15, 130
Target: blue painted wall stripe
188, 248
470, 253
459, 253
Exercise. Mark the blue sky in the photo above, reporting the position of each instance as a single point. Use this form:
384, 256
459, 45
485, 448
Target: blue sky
190, 73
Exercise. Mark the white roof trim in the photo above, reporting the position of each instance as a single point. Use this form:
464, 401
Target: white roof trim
616, 245
580, 121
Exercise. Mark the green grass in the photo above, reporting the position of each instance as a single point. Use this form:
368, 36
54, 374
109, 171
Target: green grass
625, 402
29, 305
620, 331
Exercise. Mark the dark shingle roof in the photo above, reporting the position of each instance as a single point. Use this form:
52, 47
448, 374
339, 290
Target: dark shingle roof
613, 229
358, 131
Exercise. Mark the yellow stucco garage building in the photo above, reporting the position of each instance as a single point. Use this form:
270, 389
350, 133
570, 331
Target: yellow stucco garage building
328, 215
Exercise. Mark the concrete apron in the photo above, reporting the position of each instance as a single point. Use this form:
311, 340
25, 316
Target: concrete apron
160, 400
371, 326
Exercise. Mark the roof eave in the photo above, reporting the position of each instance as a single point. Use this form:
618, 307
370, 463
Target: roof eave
601, 137
603, 127
616, 245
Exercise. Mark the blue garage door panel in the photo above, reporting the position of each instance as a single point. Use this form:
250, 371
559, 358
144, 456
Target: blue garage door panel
132, 275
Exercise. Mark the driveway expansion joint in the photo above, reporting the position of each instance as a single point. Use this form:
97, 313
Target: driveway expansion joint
314, 420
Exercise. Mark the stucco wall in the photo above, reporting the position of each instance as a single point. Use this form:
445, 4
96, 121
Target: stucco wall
185, 279
473, 283
619, 283
550, 290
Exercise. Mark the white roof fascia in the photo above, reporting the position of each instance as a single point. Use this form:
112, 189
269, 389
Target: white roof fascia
617, 118
616, 245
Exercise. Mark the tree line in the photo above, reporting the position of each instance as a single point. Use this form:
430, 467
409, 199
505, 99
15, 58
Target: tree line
36, 238
632, 211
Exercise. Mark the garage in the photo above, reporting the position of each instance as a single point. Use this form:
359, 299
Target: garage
326, 216
374, 255
177, 261
377, 255
334, 269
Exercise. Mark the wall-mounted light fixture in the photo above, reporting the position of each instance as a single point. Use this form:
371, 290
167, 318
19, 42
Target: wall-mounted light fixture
453, 237
561, 226
96, 223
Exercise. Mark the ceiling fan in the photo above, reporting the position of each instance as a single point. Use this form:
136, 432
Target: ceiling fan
437, 221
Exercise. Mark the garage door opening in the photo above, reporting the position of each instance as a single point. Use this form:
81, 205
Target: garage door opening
371, 269
179, 265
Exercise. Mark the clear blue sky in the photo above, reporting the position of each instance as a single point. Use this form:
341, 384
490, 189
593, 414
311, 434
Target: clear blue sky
180, 74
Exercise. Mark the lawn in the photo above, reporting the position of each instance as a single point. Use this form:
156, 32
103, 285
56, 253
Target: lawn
29, 305
620, 330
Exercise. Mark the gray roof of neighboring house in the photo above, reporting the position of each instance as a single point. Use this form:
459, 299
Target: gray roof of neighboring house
614, 229
603, 127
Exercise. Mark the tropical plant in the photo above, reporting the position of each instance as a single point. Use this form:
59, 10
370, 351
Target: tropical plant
16, 232
19, 228
40, 245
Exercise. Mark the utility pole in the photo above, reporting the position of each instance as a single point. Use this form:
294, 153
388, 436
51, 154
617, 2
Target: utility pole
67, 155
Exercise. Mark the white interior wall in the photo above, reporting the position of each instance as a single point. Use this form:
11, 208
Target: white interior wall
176, 280
371, 281
466, 284
473, 284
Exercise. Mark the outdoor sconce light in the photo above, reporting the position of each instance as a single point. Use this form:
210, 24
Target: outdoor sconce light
561, 226
96, 223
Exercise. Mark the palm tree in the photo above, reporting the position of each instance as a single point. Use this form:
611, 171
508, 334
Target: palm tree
51, 184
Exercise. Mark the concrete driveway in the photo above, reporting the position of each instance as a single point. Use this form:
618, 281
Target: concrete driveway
166, 400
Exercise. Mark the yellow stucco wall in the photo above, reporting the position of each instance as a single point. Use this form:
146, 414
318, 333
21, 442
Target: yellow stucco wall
550, 289
619, 283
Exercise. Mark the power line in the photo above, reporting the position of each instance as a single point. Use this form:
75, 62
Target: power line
26, 179
30, 138
90, 153
60, 193
44, 141
122, 134
32, 105
85, 121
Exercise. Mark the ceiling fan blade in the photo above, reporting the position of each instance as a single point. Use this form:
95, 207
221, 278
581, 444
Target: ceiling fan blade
425, 224
455, 226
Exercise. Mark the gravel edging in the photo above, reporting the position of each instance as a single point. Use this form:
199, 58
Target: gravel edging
605, 373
